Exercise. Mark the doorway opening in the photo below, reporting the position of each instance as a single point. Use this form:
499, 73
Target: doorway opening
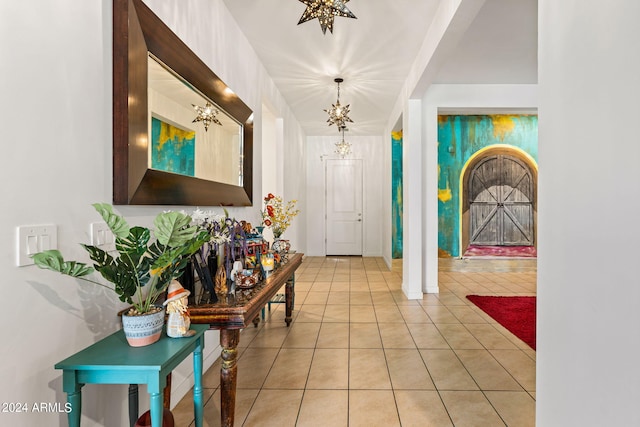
344, 193
499, 204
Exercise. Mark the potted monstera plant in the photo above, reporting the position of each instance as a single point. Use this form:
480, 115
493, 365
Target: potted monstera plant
140, 269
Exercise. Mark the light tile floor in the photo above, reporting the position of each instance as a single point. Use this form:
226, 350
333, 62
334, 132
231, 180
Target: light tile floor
358, 353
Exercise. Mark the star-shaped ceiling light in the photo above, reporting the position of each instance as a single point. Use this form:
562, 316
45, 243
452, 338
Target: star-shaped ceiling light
206, 115
338, 114
324, 11
343, 148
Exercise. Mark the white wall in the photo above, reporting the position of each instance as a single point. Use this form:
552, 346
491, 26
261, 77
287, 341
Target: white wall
371, 150
294, 181
56, 120
269, 138
588, 288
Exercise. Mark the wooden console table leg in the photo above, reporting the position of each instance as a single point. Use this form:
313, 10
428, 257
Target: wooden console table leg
166, 393
289, 292
133, 404
229, 339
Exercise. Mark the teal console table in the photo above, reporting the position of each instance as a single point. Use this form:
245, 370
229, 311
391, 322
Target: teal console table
113, 361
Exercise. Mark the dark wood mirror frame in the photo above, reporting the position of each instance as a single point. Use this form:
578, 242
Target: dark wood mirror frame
138, 32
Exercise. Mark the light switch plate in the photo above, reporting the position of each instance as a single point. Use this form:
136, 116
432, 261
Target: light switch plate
102, 236
34, 238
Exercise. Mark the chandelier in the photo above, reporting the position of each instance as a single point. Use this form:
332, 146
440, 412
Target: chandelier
324, 11
338, 114
343, 148
206, 115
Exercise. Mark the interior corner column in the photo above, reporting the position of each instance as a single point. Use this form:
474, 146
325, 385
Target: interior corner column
412, 196
430, 214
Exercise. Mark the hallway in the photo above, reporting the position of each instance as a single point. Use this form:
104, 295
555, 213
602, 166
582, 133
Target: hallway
358, 353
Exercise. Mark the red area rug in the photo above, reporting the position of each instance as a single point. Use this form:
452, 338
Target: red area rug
517, 314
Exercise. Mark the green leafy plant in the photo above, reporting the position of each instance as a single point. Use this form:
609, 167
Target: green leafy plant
144, 266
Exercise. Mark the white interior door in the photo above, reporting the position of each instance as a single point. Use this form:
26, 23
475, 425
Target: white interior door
344, 207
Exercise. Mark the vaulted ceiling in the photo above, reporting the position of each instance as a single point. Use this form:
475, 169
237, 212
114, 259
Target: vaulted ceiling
375, 52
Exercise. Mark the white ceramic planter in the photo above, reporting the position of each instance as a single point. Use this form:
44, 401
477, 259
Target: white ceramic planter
143, 329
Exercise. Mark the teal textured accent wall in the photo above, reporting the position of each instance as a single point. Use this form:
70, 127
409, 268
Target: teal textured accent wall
459, 138
396, 195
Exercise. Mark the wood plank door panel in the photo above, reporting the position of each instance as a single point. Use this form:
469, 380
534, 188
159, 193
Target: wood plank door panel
501, 192
484, 223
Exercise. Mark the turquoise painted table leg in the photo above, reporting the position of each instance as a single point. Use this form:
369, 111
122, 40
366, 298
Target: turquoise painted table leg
197, 384
75, 399
155, 402
73, 388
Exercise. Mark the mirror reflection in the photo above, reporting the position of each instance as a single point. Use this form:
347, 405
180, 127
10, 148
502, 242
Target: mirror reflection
180, 143
216, 167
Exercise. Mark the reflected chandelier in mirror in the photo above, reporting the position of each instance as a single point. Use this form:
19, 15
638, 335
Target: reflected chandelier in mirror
162, 153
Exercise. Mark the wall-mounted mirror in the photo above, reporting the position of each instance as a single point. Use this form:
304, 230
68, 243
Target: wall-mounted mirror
161, 154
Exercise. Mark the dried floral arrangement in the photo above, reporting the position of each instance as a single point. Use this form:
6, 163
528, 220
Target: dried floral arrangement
278, 214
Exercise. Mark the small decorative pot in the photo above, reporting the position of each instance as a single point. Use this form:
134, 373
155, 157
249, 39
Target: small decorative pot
281, 246
143, 329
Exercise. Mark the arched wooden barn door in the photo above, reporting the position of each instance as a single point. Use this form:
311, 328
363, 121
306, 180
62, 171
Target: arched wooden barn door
501, 196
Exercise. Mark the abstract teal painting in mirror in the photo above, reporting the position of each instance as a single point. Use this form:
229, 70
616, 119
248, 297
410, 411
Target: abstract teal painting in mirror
173, 148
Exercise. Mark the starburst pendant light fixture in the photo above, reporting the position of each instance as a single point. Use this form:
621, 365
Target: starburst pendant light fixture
338, 114
343, 148
206, 115
325, 11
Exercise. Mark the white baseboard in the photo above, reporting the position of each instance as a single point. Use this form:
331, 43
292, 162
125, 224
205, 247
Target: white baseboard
413, 294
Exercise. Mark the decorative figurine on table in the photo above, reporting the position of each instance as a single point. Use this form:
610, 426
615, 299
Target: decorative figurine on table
250, 261
179, 321
246, 227
236, 271
237, 268
220, 281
